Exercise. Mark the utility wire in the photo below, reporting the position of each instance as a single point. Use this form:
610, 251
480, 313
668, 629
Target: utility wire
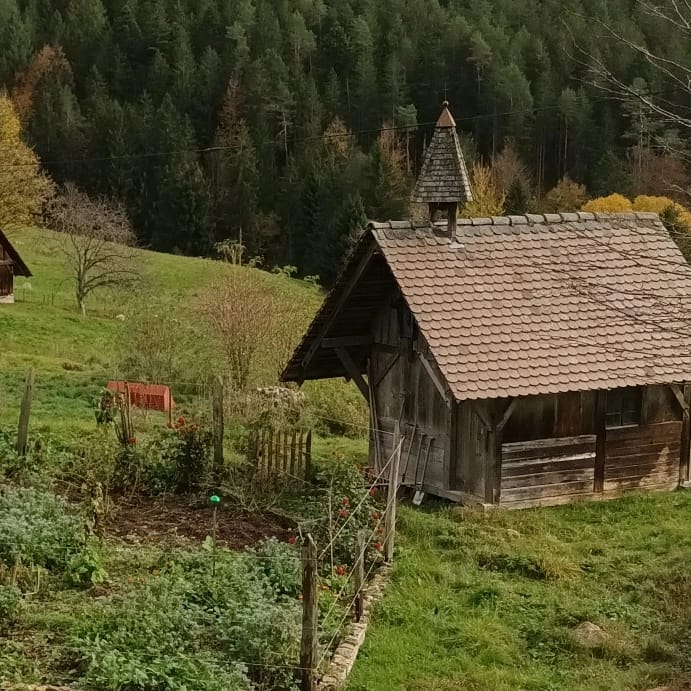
271, 143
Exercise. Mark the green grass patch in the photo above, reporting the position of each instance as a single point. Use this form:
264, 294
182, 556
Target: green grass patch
492, 600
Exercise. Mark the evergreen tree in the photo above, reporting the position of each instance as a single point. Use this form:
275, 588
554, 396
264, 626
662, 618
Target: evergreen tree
15, 41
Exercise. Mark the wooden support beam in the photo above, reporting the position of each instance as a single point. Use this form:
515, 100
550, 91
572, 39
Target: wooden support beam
685, 441
679, 395
346, 341
601, 440
353, 371
435, 379
482, 414
387, 369
493, 475
345, 292
507, 414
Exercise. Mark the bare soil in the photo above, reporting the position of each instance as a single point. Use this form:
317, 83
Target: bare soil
171, 519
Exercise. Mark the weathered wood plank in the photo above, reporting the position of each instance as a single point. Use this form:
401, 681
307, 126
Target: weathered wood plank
661, 431
551, 490
553, 478
639, 482
575, 462
668, 448
641, 462
560, 500
546, 454
652, 477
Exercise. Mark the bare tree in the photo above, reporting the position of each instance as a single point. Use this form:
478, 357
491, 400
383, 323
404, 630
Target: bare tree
675, 17
98, 242
241, 311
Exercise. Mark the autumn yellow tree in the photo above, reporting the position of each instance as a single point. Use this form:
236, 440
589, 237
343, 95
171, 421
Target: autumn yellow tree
23, 187
488, 199
677, 219
611, 203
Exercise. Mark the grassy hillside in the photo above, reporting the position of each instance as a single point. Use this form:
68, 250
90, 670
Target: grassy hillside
75, 356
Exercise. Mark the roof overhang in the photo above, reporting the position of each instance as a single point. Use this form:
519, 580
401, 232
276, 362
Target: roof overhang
338, 343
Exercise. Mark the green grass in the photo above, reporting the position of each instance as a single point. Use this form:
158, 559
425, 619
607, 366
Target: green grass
75, 356
489, 601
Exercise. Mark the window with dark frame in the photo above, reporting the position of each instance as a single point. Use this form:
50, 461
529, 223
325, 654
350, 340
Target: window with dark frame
623, 407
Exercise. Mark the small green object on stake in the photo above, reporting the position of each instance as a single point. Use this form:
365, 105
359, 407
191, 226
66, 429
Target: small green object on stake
215, 501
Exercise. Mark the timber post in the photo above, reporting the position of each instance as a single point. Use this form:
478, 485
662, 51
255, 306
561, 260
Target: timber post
685, 450
310, 637
390, 518
600, 440
25, 414
359, 574
217, 415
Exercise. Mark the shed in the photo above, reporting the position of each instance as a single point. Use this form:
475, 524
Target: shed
150, 396
525, 360
11, 265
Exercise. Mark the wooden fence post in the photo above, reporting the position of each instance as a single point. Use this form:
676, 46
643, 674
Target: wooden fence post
310, 636
390, 518
25, 413
359, 575
308, 454
217, 412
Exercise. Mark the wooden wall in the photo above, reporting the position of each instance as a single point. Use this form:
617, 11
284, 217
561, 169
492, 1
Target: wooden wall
548, 468
550, 445
646, 456
6, 279
472, 457
407, 394
6, 273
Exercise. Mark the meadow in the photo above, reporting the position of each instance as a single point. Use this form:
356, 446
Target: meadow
108, 585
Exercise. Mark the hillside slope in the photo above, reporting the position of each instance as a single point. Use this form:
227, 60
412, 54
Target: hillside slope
75, 356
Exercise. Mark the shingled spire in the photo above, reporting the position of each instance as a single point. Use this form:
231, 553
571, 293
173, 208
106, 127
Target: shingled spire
443, 183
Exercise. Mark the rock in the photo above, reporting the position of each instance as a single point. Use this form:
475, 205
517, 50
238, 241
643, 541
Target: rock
513, 533
120, 317
590, 635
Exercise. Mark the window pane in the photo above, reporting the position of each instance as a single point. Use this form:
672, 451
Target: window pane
614, 401
613, 420
630, 417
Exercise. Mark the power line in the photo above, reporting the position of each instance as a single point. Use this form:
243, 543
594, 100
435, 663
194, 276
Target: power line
271, 143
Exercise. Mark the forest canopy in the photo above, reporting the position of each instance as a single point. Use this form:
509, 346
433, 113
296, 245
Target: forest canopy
289, 122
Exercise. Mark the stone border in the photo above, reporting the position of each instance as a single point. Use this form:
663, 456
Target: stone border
347, 651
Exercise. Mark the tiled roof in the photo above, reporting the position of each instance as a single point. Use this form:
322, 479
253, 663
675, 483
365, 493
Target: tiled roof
536, 304
444, 176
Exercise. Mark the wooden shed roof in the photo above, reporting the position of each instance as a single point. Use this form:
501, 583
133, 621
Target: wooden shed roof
520, 305
20, 268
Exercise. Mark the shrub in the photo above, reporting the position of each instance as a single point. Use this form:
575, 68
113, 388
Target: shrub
154, 638
337, 408
10, 607
280, 565
39, 531
147, 640
611, 203
37, 527
353, 509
